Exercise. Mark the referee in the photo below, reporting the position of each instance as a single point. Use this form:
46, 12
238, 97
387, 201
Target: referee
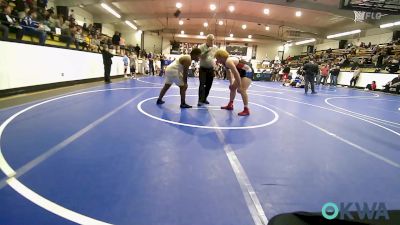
310, 69
107, 63
206, 72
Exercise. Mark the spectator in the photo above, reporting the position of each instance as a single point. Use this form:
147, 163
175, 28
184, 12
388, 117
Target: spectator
371, 87
80, 40
41, 6
32, 27
334, 75
115, 40
30, 4
71, 16
275, 73
393, 66
286, 73
137, 50
162, 65
318, 75
9, 23
95, 43
379, 61
132, 61
67, 33
125, 59
390, 49
376, 49
324, 74
355, 77
109, 42
20, 7
395, 83
51, 20
122, 44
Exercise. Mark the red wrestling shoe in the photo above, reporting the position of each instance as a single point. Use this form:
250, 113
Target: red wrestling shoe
245, 112
228, 107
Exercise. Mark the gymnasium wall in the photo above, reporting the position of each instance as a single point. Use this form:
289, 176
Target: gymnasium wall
267, 50
29, 65
270, 50
152, 42
375, 38
108, 29
131, 36
81, 16
333, 44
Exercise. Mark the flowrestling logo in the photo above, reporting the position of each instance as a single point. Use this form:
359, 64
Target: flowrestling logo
364, 211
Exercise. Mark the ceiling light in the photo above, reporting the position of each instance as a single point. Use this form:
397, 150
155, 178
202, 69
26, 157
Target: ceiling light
298, 13
131, 24
231, 35
205, 24
182, 32
180, 22
305, 42
343, 34
202, 33
386, 25
250, 36
266, 11
110, 10
178, 5
244, 26
267, 28
220, 22
231, 8
213, 7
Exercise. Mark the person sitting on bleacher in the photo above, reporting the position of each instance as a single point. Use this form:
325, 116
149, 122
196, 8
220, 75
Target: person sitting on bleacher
9, 23
80, 40
394, 84
32, 27
393, 66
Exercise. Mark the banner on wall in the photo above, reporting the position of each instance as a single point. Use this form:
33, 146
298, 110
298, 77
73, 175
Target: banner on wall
236, 50
391, 7
179, 48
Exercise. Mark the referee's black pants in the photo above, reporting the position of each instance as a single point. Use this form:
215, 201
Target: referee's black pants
206, 77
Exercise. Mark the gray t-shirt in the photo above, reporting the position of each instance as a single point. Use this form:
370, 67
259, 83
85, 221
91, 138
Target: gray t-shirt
207, 59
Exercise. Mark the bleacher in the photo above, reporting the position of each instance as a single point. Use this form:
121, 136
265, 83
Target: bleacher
54, 39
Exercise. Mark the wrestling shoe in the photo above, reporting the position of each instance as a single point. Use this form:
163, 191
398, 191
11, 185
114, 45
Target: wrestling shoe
245, 112
228, 107
185, 106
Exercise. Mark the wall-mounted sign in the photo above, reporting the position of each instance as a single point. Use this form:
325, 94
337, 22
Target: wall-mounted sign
383, 6
360, 16
236, 50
